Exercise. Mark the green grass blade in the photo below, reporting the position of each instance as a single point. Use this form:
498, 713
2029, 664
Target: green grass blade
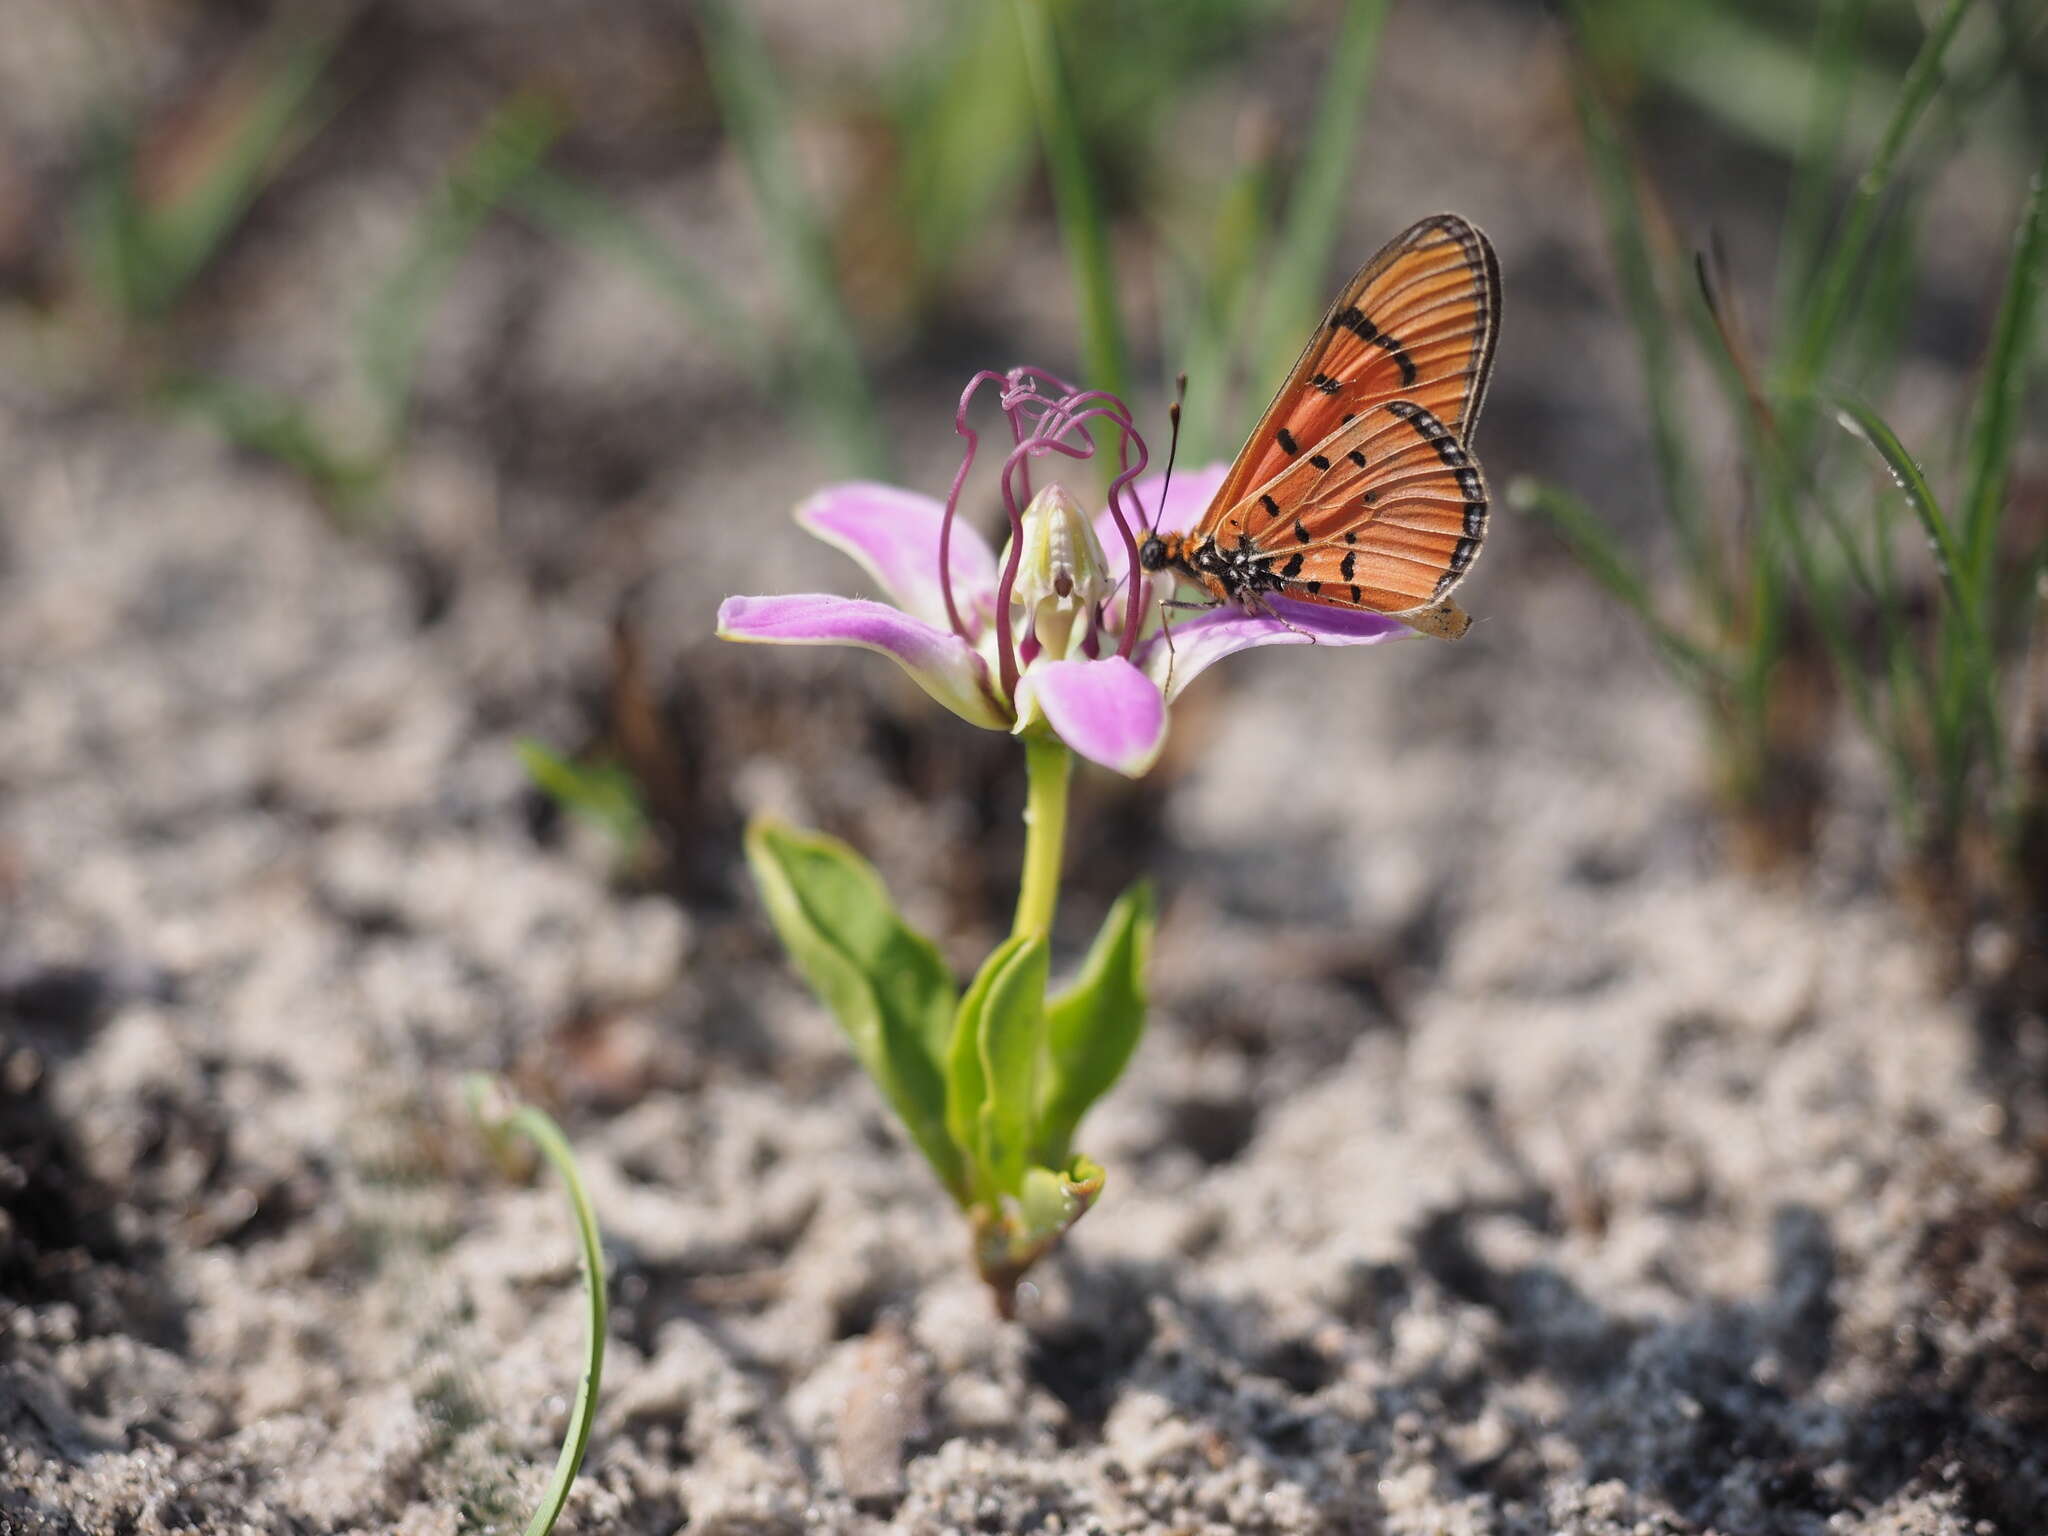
1220, 291
513, 139
1614, 180
1995, 426
1806, 211
1968, 685
185, 235
1835, 284
963, 125
1601, 554
1084, 223
500, 1121
1298, 288
279, 429
829, 375
1863, 422
586, 217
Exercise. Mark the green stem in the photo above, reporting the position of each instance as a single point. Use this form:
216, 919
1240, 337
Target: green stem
1050, 766
500, 1120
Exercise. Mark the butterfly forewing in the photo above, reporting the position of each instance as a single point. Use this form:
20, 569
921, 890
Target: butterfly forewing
1417, 324
1386, 515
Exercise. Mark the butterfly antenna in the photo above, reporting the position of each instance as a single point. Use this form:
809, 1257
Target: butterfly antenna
1180, 395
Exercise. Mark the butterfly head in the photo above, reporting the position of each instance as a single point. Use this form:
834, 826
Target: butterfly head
1152, 553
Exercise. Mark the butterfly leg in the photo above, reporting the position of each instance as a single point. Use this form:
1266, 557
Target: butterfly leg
1254, 602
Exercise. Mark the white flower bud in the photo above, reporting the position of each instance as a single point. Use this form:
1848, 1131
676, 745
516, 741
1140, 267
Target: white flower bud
1062, 579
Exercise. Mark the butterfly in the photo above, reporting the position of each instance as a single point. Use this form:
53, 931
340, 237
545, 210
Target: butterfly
1358, 488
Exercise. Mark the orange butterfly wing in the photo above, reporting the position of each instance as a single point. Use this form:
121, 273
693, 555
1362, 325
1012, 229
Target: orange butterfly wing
1417, 323
1357, 489
1387, 515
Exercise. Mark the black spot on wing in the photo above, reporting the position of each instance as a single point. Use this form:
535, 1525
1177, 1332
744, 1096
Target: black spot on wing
1353, 319
1286, 441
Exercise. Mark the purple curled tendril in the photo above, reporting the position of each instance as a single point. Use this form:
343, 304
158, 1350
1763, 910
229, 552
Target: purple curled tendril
1040, 424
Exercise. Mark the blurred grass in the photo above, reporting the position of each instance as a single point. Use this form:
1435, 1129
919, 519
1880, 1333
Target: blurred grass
829, 376
1811, 563
1084, 221
393, 327
157, 205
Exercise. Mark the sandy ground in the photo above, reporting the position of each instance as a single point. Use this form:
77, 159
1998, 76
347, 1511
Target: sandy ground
1502, 1159
1498, 1161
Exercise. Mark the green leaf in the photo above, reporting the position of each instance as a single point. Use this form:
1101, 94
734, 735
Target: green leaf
884, 981
1013, 1234
992, 1071
603, 794
1093, 1027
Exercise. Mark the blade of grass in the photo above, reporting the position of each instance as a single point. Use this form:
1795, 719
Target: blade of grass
393, 328
1622, 209
1221, 293
1781, 485
1969, 684
1744, 75
274, 107
964, 127
1296, 291
1834, 285
279, 429
1859, 419
500, 1121
1820, 151
1908, 678
1995, 424
829, 377
1084, 223
148, 235
1601, 554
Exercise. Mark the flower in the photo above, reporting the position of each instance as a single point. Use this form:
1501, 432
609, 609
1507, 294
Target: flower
1054, 635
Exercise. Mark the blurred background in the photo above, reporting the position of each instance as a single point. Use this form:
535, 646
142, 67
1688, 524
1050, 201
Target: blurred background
389, 392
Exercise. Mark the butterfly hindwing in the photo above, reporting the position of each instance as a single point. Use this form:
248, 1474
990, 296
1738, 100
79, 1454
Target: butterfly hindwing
1417, 323
1387, 515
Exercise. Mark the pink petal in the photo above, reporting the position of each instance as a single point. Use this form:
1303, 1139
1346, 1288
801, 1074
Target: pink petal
942, 664
1198, 643
1108, 711
894, 534
1186, 500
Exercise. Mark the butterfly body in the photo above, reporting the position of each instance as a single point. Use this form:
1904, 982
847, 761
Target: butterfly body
1358, 488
